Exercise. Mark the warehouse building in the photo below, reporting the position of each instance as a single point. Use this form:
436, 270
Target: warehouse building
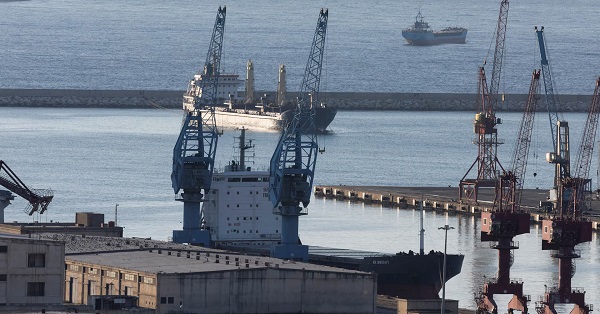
189, 279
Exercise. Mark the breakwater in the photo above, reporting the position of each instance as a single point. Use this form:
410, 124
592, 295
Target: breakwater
342, 100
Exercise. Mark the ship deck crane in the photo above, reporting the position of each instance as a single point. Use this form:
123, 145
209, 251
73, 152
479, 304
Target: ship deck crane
567, 228
38, 199
293, 163
507, 220
194, 151
485, 122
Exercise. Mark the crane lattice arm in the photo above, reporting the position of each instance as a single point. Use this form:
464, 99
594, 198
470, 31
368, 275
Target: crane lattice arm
498, 54
204, 85
551, 102
38, 199
584, 156
194, 152
521, 154
293, 162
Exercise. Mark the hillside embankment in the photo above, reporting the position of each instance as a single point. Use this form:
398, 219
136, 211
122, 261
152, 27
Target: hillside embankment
342, 100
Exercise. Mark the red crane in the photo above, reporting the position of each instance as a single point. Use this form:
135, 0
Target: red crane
507, 220
567, 228
486, 121
38, 199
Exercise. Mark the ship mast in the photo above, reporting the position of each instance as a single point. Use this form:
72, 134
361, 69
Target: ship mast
421, 231
249, 86
281, 86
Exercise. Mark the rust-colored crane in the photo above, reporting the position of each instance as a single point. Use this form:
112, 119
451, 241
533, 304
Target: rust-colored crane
567, 228
486, 120
507, 220
38, 199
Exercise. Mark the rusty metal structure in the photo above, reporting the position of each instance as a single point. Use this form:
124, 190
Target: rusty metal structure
507, 220
567, 228
485, 122
38, 199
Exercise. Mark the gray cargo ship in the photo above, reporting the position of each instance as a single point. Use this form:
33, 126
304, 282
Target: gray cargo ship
420, 34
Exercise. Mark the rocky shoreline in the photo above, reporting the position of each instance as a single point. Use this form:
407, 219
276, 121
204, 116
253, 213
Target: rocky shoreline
169, 99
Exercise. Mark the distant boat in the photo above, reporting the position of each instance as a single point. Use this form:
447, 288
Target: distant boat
420, 34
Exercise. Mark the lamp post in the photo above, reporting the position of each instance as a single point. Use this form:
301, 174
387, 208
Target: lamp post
445, 228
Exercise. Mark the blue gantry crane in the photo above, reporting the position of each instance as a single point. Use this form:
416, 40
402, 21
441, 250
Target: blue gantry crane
293, 163
194, 152
551, 102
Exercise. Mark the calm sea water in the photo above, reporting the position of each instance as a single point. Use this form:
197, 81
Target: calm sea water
154, 44
96, 158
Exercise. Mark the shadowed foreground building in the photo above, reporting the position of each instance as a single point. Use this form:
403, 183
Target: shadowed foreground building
31, 271
195, 280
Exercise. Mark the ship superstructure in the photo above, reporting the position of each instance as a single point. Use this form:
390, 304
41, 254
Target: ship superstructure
238, 211
239, 216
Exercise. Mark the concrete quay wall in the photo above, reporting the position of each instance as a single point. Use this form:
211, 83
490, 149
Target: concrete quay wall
444, 199
342, 100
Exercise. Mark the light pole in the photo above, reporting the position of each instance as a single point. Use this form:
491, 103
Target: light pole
445, 228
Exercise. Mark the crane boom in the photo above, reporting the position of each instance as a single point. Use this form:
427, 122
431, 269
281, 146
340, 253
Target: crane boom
38, 199
548, 86
194, 151
521, 154
586, 148
498, 54
485, 121
293, 162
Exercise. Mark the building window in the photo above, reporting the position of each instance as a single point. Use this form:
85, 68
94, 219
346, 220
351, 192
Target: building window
35, 289
36, 260
171, 300
3, 248
2, 277
130, 277
163, 300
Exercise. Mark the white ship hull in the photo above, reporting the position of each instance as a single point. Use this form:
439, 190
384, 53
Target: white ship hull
249, 119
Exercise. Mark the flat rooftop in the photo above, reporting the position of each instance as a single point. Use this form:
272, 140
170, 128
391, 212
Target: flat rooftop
153, 256
174, 262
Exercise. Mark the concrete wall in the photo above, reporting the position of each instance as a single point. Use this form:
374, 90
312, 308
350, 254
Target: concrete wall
14, 264
342, 100
426, 306
83, 280
268, 290
261, 290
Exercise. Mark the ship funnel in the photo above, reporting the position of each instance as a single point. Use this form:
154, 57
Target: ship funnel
249, 82
281, 90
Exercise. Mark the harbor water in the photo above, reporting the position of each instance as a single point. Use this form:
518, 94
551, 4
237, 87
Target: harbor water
96, 158
154, 44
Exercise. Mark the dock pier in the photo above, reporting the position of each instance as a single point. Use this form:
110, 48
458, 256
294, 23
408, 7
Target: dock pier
444, 199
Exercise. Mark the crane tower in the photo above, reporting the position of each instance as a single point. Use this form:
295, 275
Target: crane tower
485, 121
194, 151
507, 220
293, 162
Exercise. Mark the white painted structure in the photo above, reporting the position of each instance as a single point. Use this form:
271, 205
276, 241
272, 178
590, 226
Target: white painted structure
32, 271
